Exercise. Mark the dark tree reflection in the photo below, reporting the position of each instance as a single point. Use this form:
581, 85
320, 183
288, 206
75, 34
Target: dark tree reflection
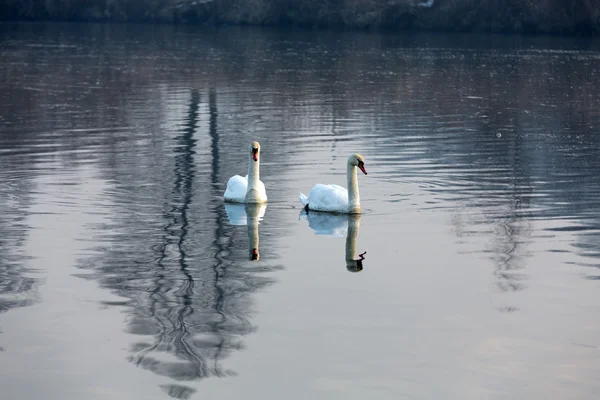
18, 285
502, 135
169, 253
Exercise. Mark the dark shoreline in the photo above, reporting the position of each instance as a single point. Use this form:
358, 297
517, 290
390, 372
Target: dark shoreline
529, 17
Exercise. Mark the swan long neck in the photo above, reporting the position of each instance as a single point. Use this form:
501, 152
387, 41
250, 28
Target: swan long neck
353, 196
253, 173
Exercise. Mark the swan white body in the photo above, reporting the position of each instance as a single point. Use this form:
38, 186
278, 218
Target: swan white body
249, 188
237, 191
334, 198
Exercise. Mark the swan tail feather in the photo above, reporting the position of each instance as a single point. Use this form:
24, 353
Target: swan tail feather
303, 199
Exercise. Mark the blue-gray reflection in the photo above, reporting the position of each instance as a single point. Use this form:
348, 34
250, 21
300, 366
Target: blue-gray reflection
249, 215
17, 287
339, 225
509, 138
171, 254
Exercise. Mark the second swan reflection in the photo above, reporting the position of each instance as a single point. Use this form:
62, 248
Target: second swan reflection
250, 215
338, 225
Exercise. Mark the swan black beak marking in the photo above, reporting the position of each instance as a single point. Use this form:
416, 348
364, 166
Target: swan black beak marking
361, 165
255, 154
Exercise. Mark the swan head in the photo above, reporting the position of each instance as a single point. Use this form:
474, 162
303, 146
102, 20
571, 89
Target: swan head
356, 160
254, 255
254, 150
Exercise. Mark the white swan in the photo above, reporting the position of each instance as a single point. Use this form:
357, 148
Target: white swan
334, 198
249, 188
250, 215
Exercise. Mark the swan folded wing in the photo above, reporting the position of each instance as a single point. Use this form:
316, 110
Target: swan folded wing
303, 199
328, 198
236, 188
262, 190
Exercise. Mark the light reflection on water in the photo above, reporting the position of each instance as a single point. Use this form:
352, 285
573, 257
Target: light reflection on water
482, 196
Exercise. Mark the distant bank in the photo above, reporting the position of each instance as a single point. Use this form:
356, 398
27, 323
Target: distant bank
510, 16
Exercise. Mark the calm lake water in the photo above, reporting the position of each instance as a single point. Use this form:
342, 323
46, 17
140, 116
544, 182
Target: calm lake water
124, 276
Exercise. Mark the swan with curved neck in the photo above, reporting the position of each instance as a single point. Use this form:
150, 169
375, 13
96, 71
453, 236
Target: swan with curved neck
249, 188
334, 198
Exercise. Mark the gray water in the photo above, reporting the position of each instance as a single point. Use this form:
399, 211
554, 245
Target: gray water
123, 275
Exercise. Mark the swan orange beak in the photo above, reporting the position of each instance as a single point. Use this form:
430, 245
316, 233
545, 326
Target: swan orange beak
254, 255
362, 168
255, 154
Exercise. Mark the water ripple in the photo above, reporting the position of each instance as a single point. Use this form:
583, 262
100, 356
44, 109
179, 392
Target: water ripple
484, 156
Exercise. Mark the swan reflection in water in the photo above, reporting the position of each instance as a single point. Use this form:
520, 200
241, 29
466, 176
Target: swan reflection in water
250, 215
338, 225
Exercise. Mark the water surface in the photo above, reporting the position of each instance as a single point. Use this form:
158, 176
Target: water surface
124, 276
